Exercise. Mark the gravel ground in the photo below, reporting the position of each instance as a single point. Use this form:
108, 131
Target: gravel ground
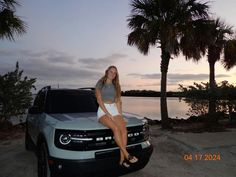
167, 159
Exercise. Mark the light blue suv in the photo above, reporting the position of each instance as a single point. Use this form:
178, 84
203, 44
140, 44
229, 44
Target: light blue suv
62, 127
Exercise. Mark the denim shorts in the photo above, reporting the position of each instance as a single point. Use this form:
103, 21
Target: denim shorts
111, 108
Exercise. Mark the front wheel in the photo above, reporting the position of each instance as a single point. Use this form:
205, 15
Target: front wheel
43, 166
29, 145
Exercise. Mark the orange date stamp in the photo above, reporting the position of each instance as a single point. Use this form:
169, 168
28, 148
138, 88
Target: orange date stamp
202, 156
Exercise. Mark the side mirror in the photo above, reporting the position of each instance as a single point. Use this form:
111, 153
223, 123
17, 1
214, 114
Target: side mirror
34, 110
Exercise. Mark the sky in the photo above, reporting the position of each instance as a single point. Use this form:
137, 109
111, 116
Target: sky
70, 44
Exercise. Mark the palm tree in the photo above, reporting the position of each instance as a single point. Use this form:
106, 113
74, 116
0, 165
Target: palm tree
218, 42
219, 33
10, 24
166, 23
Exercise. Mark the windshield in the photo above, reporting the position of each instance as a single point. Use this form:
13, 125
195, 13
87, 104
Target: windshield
71, 101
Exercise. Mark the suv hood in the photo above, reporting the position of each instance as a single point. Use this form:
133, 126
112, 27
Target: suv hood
88, 121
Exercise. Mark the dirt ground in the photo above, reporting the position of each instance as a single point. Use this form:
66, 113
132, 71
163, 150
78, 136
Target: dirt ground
170, 158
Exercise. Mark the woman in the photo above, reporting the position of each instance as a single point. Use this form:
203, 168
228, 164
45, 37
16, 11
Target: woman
108, 93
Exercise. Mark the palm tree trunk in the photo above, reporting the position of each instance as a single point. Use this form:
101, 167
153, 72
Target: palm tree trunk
212, 76
212, 99
165, 58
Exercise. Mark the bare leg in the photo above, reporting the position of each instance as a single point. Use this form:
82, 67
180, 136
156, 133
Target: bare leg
108, 122
120, 122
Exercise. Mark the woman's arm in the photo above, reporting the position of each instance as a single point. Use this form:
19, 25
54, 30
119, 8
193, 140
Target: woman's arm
100, 102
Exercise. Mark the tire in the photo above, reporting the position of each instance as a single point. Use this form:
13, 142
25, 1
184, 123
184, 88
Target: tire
43, 166
29, 145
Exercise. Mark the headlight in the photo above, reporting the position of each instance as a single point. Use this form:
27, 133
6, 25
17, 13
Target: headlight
65, 139
146, 130
145, 126
71, 139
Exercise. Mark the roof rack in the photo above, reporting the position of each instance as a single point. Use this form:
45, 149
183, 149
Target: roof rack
87, 88
46, 88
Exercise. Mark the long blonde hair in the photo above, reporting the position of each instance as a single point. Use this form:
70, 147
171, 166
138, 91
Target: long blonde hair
115, 81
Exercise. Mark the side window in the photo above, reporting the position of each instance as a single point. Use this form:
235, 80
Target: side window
40, 100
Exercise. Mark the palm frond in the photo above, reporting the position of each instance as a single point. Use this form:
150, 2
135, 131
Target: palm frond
8, 4
229, 60
166, 22
11, 25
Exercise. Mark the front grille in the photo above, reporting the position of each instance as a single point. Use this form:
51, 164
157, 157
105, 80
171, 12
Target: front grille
97, 139
116, 152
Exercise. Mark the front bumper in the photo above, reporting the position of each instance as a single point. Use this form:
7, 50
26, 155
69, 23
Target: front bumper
106, 162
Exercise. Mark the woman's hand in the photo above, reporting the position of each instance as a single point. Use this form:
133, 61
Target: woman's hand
109, 115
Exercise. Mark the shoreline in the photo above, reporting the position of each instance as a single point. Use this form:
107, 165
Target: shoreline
198, 124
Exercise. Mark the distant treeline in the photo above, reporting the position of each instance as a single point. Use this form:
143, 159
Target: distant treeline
149, 93
223, 90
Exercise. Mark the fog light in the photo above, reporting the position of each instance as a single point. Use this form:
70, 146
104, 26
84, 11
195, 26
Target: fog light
59, 167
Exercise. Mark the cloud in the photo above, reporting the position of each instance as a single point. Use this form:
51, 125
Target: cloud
222, 75
15, 52
52, 67
145, 76
173, 80
61, 59
148, 84
46, 71
49, 67
154, 84
100, 63
172, 77
52, 56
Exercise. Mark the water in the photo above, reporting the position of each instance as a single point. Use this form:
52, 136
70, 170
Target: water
150, 107
146, 107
